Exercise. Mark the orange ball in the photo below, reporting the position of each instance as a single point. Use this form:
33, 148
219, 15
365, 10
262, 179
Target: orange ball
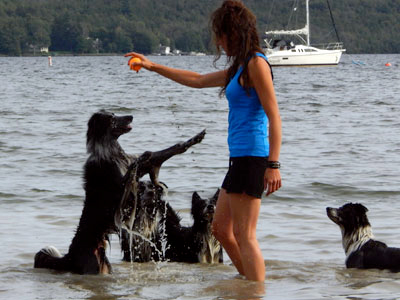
134, 67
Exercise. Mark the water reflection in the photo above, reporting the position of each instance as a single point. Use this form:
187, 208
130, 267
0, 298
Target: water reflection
237, 289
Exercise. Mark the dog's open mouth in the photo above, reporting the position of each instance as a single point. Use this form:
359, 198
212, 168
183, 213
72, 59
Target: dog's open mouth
123, 129
127, 123
122, 125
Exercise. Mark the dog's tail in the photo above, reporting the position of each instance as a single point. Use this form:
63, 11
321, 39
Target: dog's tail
50, 258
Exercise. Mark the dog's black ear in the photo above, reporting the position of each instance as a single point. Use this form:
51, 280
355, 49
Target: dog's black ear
215, 197
195, 198
91, 124
361, 208
97, 125
361, 214
196, 205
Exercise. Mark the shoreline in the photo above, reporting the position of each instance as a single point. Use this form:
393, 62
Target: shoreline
54, 54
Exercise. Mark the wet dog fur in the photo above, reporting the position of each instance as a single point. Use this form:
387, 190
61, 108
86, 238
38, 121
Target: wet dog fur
140, 240
159, 235
103, 183
107, 182
362, 250
195, 243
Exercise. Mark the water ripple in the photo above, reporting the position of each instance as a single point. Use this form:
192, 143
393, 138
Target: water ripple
340, 144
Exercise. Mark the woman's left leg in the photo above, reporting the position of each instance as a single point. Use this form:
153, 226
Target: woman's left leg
222, 228
245, 210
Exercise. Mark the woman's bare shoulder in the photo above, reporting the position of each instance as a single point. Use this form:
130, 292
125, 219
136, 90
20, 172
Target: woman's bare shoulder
258, 62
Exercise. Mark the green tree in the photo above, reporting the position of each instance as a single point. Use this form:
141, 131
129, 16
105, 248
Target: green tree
38, 32
12, 37
366, 26
104, 38
190, 41
122, 41
66, 34
144, 41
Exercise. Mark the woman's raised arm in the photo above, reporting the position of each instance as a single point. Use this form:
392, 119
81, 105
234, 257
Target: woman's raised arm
184, 77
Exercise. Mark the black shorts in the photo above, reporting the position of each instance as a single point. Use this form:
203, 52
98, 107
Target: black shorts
246, 174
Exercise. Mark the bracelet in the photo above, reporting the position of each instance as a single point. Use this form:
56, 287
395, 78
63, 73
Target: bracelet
273, 165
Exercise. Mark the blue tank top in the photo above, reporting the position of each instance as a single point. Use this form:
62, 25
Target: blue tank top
247, 131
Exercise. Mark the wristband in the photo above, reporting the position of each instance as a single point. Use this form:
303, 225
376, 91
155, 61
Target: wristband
273, 165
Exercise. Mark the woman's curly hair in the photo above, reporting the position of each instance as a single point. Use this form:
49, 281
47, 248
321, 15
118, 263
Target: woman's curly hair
235, 21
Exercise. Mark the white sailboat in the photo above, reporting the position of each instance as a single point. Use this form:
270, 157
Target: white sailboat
281, 53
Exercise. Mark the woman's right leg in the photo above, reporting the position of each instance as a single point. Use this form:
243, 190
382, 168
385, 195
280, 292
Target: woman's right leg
222, 228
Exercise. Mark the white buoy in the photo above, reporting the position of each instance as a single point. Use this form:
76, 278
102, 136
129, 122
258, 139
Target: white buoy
50, 61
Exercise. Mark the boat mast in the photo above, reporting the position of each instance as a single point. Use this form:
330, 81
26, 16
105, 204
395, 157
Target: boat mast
333, 21
308, 23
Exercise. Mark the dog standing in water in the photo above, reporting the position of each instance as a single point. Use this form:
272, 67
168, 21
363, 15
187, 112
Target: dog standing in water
107, 182
156, 233
362, 251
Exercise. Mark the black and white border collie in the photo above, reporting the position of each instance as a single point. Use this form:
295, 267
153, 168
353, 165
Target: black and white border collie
157, 233
194, 243
362, 251
110, 179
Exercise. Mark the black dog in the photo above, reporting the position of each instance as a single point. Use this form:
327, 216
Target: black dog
140, 232
158, 235
362, 251
108, 181
195, 243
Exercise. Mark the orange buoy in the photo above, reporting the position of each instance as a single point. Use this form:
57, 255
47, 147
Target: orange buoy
388, 64
132, 66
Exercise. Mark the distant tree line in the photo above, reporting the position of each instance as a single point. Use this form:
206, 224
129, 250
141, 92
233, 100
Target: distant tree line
103, 26
118, 26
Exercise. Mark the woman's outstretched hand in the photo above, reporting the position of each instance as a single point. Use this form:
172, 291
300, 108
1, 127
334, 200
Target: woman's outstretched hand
144, 62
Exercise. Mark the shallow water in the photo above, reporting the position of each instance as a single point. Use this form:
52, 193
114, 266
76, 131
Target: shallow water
340, 143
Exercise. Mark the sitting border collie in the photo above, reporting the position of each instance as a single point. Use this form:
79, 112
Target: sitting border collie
158, 235
362, 251
107, 182
195, 243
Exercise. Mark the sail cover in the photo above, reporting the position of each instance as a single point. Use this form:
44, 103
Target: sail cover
303, 31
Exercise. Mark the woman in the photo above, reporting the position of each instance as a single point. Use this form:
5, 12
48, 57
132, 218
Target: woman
254, 158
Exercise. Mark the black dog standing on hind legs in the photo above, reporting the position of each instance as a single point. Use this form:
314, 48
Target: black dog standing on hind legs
107, 174
362, 251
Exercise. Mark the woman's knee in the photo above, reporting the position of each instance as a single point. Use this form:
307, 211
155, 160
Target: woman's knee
219, 231
243, 236
222, 223
239, 235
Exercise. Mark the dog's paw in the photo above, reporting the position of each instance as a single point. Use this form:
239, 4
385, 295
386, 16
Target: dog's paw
162, 187
199, 137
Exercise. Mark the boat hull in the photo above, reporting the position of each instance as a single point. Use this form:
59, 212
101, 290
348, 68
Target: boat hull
319, 58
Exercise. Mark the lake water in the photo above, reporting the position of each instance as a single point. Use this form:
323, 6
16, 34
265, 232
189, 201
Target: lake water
341, 143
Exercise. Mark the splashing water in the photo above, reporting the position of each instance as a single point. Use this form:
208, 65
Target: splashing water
138, 234
158, 229
163, 232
